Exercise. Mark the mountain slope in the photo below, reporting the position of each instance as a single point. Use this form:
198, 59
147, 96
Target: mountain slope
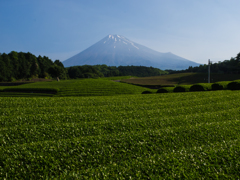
115, 50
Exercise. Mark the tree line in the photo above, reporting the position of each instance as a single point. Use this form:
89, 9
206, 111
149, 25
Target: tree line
111, 71
24, 66
231, 66
19, 65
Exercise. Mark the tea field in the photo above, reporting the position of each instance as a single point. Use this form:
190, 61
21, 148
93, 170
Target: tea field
181, 79
193, 135
78, 87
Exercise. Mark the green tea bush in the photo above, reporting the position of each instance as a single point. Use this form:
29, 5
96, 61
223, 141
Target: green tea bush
86, 87
220, 85
180, 136
146, 92
165, 90
201, 87
182, 88
234, 85
22, 94
33, 90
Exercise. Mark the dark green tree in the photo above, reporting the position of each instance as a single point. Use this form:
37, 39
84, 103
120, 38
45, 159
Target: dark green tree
58, 63
3, 70
57, 71
13, 55
24, 69
8, 75
238, 57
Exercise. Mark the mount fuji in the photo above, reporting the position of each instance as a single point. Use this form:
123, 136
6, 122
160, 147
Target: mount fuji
116, 50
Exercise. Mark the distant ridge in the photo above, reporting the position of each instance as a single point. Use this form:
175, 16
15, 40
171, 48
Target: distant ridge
116, 50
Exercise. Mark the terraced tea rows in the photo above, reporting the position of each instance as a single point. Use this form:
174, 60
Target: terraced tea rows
80, 87
182, 135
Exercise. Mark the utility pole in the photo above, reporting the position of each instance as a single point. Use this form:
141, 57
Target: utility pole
209, 70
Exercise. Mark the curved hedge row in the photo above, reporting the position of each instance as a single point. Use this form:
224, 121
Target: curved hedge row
32, 90
222, 85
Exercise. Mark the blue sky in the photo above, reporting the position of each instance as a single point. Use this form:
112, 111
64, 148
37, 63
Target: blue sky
197, 30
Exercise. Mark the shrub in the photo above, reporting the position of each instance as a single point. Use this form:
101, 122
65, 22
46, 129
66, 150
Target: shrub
162, 91
182, 88
165, 90
13, 79
220, 85
146, 92
217, 86
234, 85
201, 87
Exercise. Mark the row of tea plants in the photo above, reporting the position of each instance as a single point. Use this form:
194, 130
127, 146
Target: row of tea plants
177, 135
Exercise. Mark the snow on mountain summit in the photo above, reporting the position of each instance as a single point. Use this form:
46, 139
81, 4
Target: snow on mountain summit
119, 39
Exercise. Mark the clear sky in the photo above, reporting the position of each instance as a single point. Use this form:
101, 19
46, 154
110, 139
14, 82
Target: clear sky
197, 30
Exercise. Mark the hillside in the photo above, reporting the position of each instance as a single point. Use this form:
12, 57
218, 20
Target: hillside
181, 79
79, 87
108, 86
116, 50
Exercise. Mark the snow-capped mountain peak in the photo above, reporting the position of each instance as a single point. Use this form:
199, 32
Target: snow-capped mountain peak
116, 50
118, 40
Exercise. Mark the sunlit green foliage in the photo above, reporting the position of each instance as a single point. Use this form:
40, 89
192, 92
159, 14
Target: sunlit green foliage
79, 87
31, 90
173, 135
